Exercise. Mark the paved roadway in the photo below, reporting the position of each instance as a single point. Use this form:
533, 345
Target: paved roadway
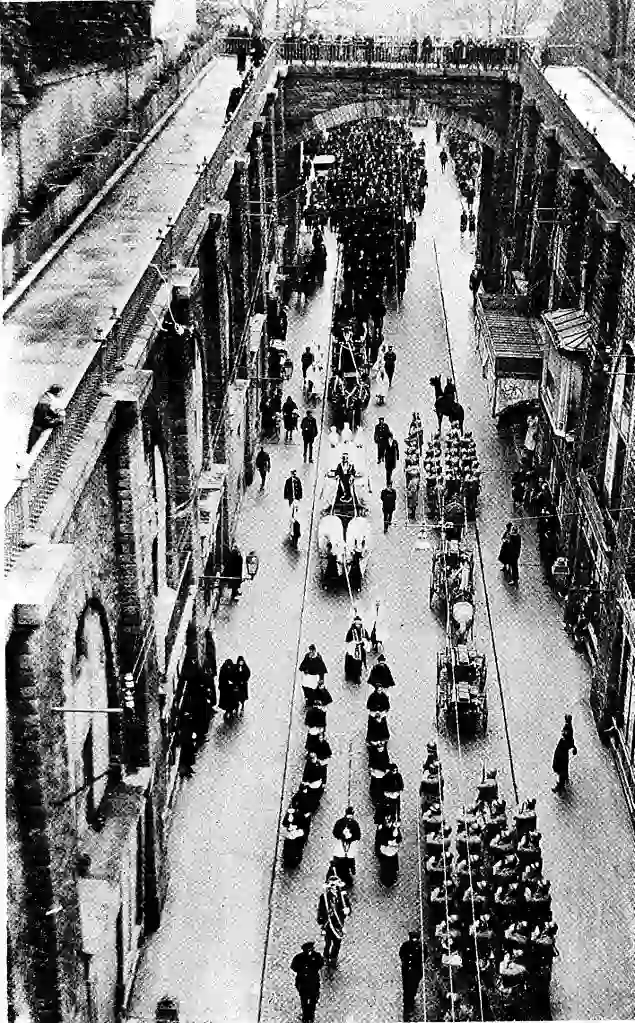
222, 911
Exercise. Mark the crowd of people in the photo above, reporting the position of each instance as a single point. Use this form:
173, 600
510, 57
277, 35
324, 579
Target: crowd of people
469, 52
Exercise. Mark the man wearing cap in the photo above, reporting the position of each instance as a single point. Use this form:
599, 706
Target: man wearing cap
411, 955
382, 432
333, 908
347, 834
309, 429
292, 488
307, 965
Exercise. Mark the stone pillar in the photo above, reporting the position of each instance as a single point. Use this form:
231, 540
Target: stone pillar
134, 565
43, 829
257, 200
506, 172
281, 140
488, 251
239, 246
216, 318
524, 181
37, 938
271, 169
543, 217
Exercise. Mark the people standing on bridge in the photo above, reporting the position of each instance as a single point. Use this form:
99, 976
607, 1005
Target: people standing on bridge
438, 125
292, 488
263, 465
388, 504
309, 430
471, 222
463, 222
411, 956
391, 457
307, 965
443, 159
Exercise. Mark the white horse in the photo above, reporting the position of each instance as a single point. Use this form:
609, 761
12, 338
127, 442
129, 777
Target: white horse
331, 542
358, 542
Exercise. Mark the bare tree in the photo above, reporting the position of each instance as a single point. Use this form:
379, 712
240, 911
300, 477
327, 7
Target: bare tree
254, 11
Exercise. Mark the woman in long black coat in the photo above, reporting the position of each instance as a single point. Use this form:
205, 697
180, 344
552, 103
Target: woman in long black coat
242, 674
227, 689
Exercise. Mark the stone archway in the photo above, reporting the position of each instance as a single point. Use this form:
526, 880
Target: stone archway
408, 107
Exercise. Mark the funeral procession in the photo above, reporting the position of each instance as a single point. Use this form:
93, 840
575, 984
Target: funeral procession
319, 325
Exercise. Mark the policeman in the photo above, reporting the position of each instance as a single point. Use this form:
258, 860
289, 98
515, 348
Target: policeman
411, 955
307, 965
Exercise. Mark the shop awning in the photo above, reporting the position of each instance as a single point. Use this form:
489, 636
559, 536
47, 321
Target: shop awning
514, 341
569, 330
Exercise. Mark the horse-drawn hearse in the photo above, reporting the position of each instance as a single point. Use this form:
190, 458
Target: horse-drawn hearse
344, 533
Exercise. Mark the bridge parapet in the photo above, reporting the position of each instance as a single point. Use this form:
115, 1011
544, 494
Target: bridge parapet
580, 143
42, 469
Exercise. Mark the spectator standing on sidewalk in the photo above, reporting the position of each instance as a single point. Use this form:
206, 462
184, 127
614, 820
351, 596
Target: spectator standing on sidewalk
292, 488
263, 465
390, 359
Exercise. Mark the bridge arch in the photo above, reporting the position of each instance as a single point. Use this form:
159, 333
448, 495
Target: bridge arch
380, 109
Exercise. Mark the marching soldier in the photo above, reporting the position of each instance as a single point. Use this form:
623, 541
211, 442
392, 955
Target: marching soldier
411, 955
333, 908
307, 965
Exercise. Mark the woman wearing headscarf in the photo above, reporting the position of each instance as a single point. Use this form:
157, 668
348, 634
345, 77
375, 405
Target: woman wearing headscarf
242, 674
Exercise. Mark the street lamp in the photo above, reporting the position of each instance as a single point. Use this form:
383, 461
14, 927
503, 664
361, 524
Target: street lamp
17, 102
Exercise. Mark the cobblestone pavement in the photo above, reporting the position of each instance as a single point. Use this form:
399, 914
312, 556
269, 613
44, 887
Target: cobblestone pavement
222, 909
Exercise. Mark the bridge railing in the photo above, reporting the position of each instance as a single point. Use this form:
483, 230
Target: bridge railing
430, 53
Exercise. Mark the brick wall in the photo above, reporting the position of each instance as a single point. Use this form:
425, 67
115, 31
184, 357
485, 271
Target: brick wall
311, 93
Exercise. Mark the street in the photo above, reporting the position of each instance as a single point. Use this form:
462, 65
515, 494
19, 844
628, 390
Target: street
234, 918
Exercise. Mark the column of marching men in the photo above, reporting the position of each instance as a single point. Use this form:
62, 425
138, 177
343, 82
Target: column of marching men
367, 200
493, 939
